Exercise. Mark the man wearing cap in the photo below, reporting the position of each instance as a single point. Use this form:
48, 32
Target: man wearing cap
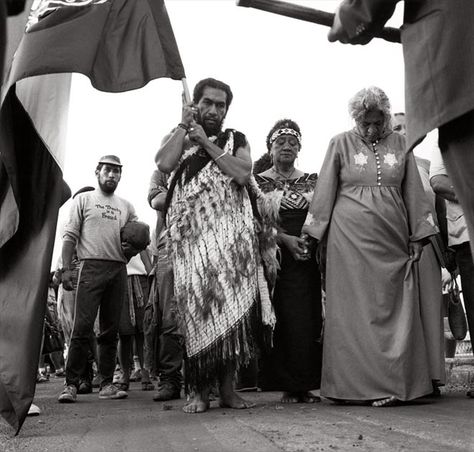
93, 229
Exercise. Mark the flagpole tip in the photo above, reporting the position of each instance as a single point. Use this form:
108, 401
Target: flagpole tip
245, 3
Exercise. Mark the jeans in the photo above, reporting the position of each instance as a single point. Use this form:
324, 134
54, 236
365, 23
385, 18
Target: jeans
101, 284
171, 348
164, 348
466, 271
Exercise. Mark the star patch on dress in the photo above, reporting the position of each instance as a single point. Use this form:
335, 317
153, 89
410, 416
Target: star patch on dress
360, 159
390, 159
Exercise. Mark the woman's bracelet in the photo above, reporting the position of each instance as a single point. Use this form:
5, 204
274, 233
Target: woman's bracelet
220, 156
183, 126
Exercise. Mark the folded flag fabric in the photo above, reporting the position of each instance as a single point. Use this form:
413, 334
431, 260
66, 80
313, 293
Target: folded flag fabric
120, 45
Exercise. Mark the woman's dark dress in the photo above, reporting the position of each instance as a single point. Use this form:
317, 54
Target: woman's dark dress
294, 363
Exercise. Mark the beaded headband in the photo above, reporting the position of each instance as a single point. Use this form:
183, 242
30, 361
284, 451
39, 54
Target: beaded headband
286, 131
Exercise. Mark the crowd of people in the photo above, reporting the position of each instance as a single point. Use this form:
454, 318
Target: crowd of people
299, 281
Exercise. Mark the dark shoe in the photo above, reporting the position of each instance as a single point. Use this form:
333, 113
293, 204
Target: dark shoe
122, 386
111, 391
166, 392
84, 388
96, 381
41, 378
147, 386
470, 393
69, 395
136, 375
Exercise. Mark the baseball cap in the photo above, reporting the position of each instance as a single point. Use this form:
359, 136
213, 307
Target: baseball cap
110, 160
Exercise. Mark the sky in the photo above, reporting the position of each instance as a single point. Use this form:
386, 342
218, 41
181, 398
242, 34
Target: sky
277, 67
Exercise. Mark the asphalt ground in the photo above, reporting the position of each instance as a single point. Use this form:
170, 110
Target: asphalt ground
140, 424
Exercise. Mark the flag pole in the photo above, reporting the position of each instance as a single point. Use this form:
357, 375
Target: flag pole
187, 96
310, 15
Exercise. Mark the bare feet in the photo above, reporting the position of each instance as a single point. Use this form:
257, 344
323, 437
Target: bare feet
227, 396
289, 397
389, 401
299, 397
199, 404
232, 400
308, 397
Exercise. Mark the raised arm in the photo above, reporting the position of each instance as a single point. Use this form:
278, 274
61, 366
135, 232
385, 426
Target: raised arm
172, 146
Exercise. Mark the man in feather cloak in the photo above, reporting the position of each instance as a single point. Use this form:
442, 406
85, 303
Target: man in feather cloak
218, 245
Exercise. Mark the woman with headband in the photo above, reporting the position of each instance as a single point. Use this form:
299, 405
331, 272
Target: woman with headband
294, 363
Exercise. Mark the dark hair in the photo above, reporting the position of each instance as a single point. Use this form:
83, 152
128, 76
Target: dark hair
282, 124
262, 164
83, 190
212, 83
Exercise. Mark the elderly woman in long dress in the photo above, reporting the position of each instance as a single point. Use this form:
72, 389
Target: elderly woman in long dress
370, 206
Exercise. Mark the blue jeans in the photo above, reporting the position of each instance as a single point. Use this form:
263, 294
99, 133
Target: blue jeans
101, 284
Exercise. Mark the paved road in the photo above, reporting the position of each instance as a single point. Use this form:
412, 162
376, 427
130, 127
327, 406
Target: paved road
139, 424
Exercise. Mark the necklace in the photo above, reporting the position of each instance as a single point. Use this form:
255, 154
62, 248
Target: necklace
283, 176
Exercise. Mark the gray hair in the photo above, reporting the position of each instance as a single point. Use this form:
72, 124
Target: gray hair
368, 99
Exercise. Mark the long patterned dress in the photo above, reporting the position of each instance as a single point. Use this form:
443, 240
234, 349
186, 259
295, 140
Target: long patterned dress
370, 203
294, 363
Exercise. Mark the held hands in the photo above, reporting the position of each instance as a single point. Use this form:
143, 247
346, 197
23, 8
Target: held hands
414, 250
297, 246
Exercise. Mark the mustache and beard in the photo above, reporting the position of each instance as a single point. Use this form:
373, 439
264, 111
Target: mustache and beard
107, 186
211, 124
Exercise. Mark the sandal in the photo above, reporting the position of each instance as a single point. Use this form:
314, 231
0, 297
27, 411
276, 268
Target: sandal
388, 401
147, 386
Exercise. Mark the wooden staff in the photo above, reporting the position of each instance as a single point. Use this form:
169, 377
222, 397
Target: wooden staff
310, 15
186, 94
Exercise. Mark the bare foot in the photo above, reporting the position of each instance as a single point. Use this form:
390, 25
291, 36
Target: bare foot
289, 397
389, 401
198, 404
232, 400
308, 397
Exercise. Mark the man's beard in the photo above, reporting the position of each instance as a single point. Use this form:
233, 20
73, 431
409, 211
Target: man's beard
107, 188
211, 130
